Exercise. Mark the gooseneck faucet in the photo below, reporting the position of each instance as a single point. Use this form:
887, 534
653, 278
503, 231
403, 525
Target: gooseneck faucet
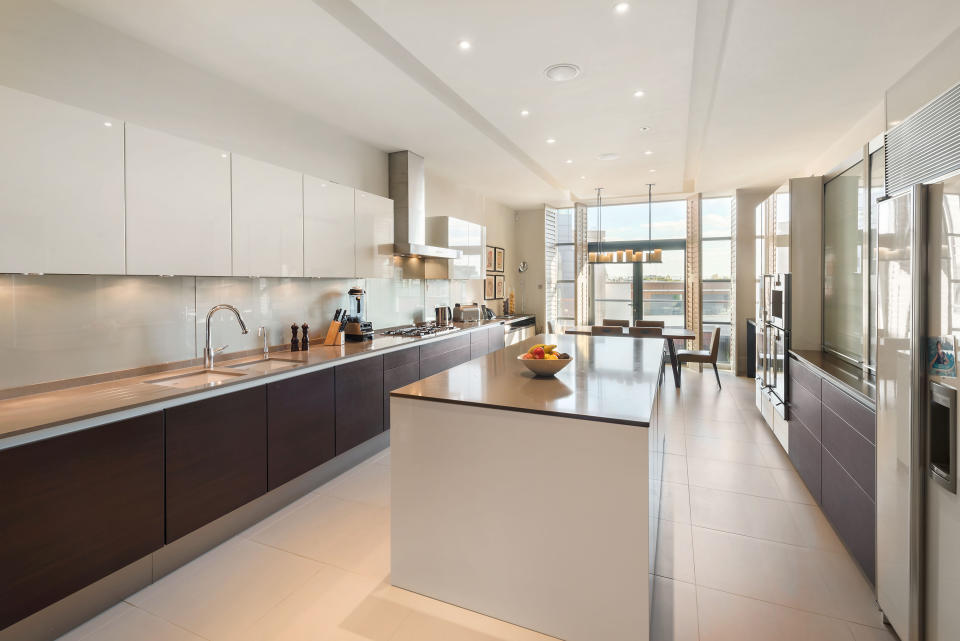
208, 351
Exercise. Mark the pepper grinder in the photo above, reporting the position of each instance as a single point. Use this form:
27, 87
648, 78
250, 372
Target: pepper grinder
305, 341
294, 341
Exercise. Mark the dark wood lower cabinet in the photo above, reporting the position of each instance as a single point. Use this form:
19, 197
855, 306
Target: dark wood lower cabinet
852, 512
216, 458
75, 508
301, 425
359, 393
855, 453
399, 369
805, 455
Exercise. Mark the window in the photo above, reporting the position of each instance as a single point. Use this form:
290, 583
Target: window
566, 270
844, 217
877, 191
715, 266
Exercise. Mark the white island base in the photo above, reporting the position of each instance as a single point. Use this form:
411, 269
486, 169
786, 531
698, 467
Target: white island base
535, 519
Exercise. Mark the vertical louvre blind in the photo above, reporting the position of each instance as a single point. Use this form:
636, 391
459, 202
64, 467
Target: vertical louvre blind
693, 315
582, 293
734, 361
926, 145
552, 265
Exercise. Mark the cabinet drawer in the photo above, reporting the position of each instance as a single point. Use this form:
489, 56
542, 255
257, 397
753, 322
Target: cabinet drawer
359, 402
479, 343
401, 357
852, 451
806, 407
75, 508
856, 414
431, 366
216, 458
396, 378
805, 455
497, 337
852, 513
300, 425
803, 375
446, 345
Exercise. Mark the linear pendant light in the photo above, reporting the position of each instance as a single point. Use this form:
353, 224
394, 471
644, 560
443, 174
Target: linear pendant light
626, 256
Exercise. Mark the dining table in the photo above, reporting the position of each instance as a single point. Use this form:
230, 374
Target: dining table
670, 333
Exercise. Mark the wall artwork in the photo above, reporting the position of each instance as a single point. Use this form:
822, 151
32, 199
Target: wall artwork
498, 261
941, 356
499, 286
491, 261
489, 288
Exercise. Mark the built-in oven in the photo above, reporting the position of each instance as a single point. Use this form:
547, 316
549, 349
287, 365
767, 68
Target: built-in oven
778, 302
777, 368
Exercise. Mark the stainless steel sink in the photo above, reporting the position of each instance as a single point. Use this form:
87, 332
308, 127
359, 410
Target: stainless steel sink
266, 365
206, 378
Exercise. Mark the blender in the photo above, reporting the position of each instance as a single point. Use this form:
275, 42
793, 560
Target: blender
358, 327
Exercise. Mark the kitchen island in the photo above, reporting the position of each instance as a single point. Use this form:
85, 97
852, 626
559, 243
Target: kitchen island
530, 499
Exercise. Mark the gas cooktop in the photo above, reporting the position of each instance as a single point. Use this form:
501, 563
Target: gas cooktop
416, 331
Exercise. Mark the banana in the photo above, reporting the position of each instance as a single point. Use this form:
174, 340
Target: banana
547, 349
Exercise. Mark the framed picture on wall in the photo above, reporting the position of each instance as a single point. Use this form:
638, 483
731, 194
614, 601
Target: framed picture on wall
491, 261
498, 260
499, 286
489, 288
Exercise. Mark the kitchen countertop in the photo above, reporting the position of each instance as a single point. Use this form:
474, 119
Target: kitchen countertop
67, 408
847, 376
610, 380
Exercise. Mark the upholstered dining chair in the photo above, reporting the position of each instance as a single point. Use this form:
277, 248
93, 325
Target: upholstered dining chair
610, 322
648, 323
603, 330
702, 355
645, 332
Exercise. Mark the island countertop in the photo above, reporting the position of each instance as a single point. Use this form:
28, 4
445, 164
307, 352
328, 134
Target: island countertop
612, 379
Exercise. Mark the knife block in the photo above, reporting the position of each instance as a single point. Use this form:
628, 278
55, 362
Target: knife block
334, 335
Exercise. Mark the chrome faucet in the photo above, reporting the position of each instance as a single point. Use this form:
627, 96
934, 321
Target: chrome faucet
262, 331
208, 351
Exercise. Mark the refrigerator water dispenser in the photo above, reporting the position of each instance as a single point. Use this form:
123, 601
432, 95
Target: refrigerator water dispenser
942, 435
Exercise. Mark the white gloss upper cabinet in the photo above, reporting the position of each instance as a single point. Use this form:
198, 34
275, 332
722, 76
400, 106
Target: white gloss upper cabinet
267, 219
329, 242
178, 206
61, 180
374, 236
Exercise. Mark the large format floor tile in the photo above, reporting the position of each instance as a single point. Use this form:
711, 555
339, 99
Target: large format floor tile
124, 622
674, 615
733, 477
754, 516
675, 551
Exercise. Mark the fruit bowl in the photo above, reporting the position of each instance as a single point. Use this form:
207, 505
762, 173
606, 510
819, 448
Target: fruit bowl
544, 367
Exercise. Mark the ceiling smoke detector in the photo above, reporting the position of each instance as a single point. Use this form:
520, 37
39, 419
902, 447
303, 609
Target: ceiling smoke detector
562, 72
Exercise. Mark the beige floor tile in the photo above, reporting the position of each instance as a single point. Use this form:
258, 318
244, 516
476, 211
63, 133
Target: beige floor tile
851, 594
733, 477
724, 450
675, 468
366, 483
774, 455
867, 633
733, 431
791, 486
675, 442
675, 551
745, 514
220, 594
674, 616
674, 502
728, 617
124, 622
347, 534
333, 604
383, 458
813, 528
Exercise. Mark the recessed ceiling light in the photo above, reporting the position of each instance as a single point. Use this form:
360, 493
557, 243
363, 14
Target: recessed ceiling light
648, 153
550, 141
653, 171
223, 155
568, 161
638, 93
608, 156
464, 45
621, 7
562, 72
583, 177
524, 113
108, 124
643, 129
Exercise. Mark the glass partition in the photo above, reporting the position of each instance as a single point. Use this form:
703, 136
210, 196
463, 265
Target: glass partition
844, 217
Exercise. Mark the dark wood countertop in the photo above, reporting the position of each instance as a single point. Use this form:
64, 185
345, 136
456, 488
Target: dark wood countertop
611, 379
850, 378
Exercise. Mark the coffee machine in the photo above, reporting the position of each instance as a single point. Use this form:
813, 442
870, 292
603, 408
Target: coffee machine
358, 327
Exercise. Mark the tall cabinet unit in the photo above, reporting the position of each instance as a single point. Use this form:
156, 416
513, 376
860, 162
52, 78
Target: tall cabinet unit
329, 229
267, 219
178, 205
61, 176
374, 236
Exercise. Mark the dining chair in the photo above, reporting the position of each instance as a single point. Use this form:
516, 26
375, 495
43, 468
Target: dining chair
703, 355
609, 322
647, 323
645, 332
602, 330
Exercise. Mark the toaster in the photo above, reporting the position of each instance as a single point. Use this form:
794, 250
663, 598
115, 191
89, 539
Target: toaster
466, 313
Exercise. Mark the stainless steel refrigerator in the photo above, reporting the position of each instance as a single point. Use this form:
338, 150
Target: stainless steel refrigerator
918, 512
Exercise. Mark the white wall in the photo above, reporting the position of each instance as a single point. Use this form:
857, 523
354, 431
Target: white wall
530, 233
746, 201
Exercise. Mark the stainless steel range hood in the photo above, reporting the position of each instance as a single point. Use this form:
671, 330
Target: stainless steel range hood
408, 191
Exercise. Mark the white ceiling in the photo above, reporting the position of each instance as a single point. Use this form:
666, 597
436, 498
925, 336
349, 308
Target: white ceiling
739, 93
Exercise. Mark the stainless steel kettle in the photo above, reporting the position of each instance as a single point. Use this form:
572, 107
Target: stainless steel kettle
444, 315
